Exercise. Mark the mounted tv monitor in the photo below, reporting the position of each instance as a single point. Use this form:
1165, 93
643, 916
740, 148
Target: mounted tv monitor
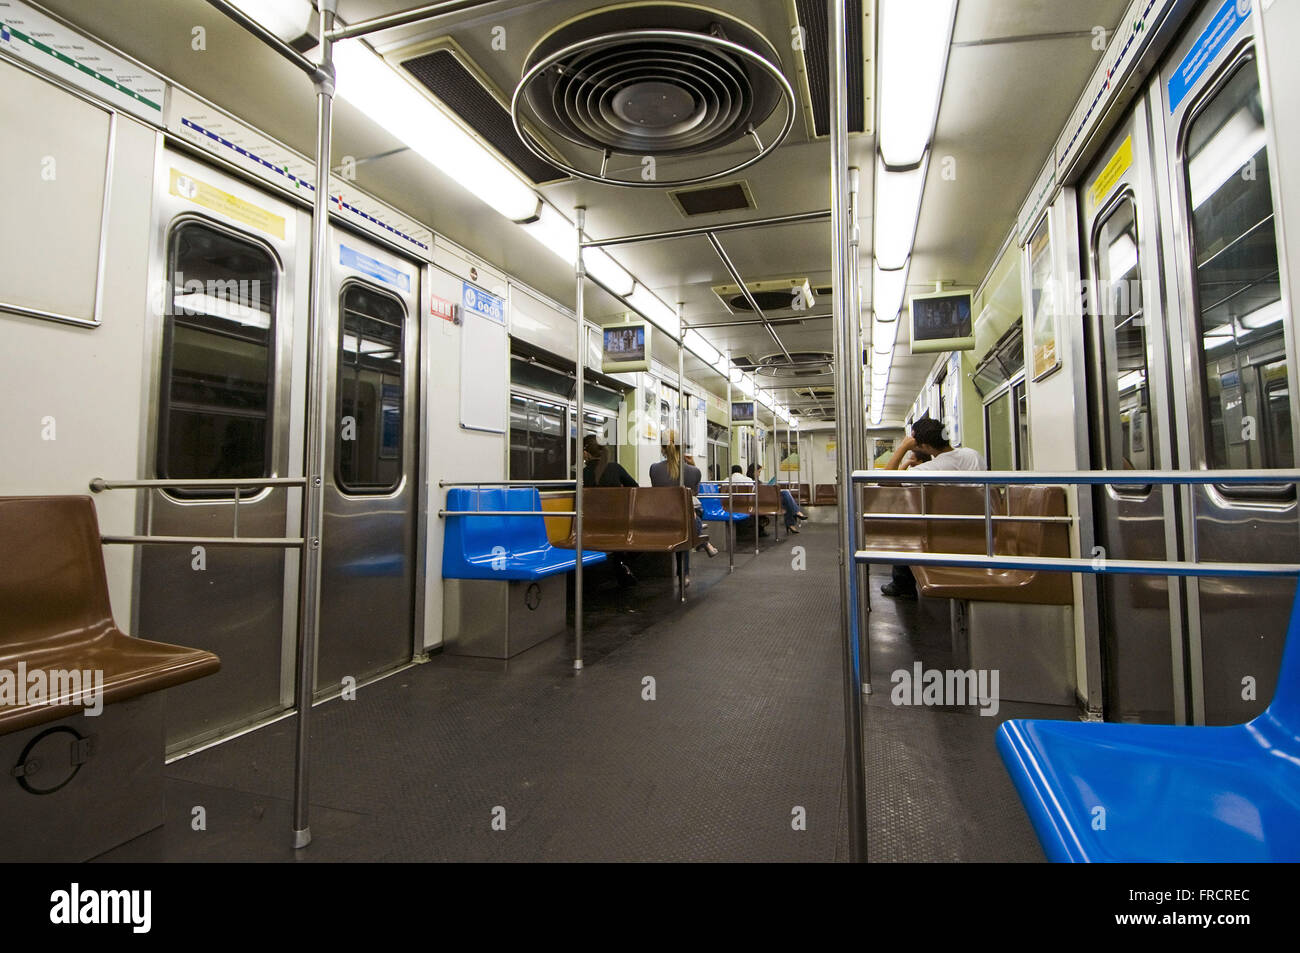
742, 411
942, 322
626, 348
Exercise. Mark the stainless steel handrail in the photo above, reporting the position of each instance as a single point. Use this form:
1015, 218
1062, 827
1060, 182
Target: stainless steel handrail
1100, 565
445, 483
100, 485
972, 517
542, 513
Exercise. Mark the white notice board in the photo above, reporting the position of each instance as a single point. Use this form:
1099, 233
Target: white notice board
484, 373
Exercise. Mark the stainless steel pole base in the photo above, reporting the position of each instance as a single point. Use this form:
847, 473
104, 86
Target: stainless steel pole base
301, 838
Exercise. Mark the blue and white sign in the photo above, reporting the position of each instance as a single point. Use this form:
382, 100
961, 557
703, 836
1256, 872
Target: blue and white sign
351, 258
1222, 28
477, 301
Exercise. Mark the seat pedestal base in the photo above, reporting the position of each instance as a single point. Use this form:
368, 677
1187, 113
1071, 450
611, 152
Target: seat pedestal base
114, 796
1031, 647
488, 618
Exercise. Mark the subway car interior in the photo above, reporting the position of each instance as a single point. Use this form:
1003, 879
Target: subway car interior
774, 430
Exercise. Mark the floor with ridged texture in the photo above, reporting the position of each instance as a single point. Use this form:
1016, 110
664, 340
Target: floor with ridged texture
526, 760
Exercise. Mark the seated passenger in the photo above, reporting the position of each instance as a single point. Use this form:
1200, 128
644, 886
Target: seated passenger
750, 476
668, 472
788, 503
927, 438
599, 470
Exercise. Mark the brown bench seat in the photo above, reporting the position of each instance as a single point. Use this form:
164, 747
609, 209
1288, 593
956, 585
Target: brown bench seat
55, 613
646, 519
969, 537
827, 494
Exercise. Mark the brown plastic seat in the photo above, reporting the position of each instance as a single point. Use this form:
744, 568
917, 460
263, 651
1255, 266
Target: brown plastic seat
55, 612
1010, 539
805, 496
769, 500
647, 519
827, 494
902, 535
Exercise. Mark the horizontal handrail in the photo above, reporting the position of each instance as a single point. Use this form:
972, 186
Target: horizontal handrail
99, 484
265, 542
1079, 478
722, 496
445, 483
975, 517
542, 513
1097, 566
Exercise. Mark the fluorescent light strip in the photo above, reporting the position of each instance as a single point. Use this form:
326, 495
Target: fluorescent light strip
898, 209
389, 100
287, 19
915, 36
888, 290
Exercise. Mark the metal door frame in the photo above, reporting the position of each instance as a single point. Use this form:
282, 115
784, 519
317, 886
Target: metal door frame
292, 258
1137, 184
1169, 136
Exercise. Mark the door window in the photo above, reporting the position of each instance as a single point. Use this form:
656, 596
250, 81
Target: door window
1239, 312
1122, 329
215, 400
368, 437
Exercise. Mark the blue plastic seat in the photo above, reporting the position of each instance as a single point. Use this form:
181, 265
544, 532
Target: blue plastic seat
711, 509
1122, 792
502, 547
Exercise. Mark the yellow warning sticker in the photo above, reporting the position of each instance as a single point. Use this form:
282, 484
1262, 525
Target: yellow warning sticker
213, 198
1119, 164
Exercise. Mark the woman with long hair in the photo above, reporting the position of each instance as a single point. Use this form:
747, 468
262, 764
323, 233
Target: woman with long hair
669, 472
599, 470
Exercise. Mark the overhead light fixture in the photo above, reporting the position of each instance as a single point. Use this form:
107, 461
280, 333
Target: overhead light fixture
888, 289
293, 21
647, 303
735, 374
746, 385
602, 268
701, 348
369, 83
915, 36
554, 232
884, 335
898, 208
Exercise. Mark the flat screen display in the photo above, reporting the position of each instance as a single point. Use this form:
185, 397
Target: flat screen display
742, 412
626, 348
942, 322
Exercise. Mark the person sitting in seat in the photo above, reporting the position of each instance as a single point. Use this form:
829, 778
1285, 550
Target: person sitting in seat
788, 503
599, 470
669, 472
738, 477
928, 437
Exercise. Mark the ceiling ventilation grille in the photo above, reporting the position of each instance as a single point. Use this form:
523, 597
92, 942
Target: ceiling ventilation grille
730, 197
443, 72
815, 30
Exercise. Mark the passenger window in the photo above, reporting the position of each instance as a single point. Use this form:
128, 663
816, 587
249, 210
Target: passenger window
1122, 327
368, 437
1022, 427
1240, 316
219, 329
997, 423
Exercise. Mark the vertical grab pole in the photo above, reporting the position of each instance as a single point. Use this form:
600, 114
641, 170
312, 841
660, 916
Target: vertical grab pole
681, 441
313, 493
580, 363
853, 754
854, 368
988, 519
731, 487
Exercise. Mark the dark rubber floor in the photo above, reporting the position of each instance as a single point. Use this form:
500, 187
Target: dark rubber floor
744, 735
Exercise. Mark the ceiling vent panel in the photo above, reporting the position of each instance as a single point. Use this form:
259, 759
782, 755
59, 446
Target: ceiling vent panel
773, 295
445, 71
729, 197
815, 30
652, 79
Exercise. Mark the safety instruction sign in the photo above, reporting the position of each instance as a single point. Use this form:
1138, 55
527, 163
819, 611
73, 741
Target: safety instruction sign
351, 258
232, 206
1119, 163
477, 301
1222, 28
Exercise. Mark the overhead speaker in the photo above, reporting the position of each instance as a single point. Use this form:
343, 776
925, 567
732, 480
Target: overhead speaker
650, 81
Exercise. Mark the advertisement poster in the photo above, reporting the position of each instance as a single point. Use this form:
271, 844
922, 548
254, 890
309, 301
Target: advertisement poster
1044, 304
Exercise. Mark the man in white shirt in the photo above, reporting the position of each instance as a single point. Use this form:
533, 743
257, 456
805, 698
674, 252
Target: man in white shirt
927, 437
